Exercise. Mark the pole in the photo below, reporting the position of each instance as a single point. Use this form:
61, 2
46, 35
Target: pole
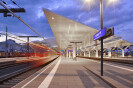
24, 23
6, 44
28, 45
76, 49
101, 18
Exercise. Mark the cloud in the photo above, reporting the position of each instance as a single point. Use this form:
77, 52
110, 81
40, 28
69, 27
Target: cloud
118, 15
91, 20
14, 36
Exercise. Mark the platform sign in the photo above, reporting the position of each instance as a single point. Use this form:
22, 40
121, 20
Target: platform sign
70, 50
62, 50
109, 32
99, 34
79, 50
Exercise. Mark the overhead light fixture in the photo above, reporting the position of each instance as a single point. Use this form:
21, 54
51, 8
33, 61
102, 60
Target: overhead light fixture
109, 2
113, 1
52, 18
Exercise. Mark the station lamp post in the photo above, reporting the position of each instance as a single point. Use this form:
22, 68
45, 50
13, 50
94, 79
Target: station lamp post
101, 24
101, 19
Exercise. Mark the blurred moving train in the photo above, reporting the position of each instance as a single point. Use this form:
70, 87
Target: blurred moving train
38, 49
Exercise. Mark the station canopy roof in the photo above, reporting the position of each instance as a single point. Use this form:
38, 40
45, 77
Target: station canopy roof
67, 31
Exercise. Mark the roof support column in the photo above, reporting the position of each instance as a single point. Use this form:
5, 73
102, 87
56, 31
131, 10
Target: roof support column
109, 54
84, 53
66, 53
69, 54
74, 51
89, 53
80, 53
117, 52
96, 53
123, 53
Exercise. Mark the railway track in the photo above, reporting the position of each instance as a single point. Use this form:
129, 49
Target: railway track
10, 82
130, 62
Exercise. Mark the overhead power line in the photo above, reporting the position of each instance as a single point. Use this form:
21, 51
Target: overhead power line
5, 3
25, 23
15, 3
12, 2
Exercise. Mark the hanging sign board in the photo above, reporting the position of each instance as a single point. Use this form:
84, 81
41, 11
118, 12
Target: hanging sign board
99, 34
104, 33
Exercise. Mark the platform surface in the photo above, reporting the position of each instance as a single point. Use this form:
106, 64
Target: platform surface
63, 73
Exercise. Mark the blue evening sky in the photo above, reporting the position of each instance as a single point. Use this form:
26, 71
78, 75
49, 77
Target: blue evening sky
119, 15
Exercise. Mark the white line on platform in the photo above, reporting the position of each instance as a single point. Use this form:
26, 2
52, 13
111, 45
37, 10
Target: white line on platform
119, 67
46, 82
36, 76
115, 66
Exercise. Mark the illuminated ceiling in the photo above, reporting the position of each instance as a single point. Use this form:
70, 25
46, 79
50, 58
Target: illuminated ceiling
66, 31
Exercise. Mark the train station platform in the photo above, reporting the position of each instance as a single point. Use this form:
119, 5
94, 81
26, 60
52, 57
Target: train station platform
64, 73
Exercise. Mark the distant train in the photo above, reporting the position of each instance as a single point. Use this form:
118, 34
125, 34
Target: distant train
36, 49
2, 54
38, 54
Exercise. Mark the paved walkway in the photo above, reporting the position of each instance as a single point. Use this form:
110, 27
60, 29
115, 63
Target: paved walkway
119, 75
63, 73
